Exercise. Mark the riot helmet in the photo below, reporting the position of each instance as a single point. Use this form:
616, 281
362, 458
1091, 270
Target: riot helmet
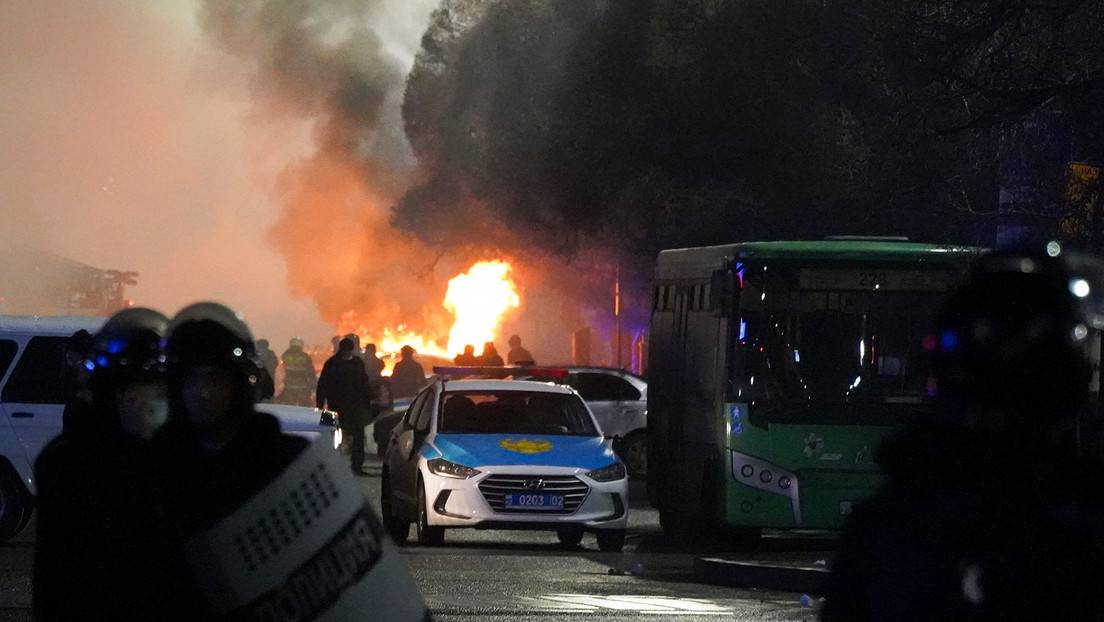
215, 376
1012, 344
126, 365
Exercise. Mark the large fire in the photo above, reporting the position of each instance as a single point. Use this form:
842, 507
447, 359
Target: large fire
477, 299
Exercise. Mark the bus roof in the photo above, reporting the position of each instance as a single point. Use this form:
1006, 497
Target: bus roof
703, 260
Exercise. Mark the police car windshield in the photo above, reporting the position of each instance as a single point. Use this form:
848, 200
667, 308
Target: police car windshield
514, 412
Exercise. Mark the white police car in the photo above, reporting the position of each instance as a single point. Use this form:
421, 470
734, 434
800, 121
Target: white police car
32, 398
503, 454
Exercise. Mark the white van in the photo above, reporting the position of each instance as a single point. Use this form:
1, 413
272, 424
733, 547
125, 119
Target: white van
32, 369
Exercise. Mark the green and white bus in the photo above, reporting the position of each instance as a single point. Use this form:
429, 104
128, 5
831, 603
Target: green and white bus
775, 368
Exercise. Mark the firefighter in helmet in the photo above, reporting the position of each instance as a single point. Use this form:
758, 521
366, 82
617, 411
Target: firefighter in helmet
299, 375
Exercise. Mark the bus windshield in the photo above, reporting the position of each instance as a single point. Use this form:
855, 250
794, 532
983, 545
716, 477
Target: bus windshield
834, 345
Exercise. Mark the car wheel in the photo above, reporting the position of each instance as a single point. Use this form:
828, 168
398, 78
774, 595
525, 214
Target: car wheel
570, 536
15, 507
634, 453
398, 529
428, 536
611, 540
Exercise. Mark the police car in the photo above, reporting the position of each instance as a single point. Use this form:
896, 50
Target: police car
503, 454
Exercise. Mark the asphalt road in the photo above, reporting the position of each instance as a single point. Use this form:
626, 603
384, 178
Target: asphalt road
489, 576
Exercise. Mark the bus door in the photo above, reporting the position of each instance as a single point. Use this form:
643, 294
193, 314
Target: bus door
666, 362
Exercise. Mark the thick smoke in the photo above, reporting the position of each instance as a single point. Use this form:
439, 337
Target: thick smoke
332, 64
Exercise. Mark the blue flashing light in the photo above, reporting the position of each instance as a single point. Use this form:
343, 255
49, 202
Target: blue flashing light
89, 365
116, 346
797, 356
948, 340
743, 329
102, 361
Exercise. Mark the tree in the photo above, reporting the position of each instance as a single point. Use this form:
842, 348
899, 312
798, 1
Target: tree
647, 124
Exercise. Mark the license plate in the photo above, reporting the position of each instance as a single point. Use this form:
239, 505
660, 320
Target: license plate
527, 501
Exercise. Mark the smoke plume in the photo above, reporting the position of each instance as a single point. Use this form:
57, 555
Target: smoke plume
330, 63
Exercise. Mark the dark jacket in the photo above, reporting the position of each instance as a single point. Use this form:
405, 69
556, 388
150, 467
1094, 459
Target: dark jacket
98, 546
519, 355
972, 526
198, 487
201, 487
343, 386
407, 378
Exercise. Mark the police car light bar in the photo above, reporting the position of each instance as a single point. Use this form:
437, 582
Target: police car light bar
502, 372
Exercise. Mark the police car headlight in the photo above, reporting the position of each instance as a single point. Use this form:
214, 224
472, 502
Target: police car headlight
337, 438
444, 468
611, 473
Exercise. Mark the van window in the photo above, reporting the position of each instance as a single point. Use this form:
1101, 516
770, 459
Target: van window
39, 376
7, 353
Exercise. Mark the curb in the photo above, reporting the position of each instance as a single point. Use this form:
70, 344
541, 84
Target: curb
716, 571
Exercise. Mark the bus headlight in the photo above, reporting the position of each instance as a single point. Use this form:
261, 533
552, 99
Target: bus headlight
610, 473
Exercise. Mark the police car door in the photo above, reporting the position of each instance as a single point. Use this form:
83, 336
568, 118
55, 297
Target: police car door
403, 462
33, 397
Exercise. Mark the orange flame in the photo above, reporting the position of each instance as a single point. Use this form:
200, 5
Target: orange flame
477, 299
394, 339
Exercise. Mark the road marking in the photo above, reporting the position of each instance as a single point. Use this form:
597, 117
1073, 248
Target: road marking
583, 603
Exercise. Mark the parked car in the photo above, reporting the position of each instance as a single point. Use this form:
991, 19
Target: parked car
619, 401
